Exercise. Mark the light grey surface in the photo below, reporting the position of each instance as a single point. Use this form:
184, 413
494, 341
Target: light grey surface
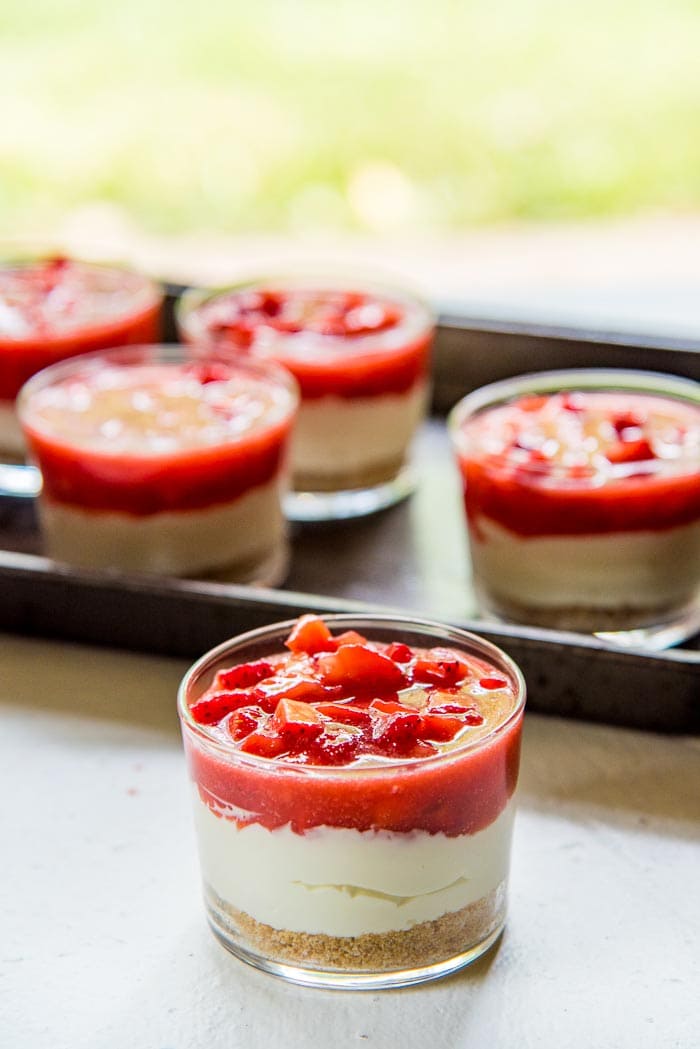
104, 942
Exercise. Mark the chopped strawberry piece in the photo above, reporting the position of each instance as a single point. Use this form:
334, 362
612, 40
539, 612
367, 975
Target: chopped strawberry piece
399, 652
627, 421
397, 733
297, 721
349, 637
630, 452
305, 689
310, 635
334, 749
390, 706
213, 707
493, 682
532, 403
263, 745
441, 666
440, 727
244, 721
345, 714
244, 675
362, 668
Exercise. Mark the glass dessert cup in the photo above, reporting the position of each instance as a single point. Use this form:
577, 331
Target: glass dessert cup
152, 461
55, 308
373, 874
582, 498
361, 355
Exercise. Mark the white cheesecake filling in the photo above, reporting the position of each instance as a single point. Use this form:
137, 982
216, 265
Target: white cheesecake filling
174, 543
636, 569
11, 437
335, 435
344, 882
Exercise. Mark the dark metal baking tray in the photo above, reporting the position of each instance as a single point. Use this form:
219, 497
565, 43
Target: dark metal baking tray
411, 558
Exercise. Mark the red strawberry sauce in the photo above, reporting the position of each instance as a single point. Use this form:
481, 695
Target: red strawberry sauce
583, 463
335, 343
58, 308
150, 465
342, 731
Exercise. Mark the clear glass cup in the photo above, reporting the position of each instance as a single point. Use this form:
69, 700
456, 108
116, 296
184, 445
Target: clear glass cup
154, 461
364, 392
355, 877
52, 308
575, 521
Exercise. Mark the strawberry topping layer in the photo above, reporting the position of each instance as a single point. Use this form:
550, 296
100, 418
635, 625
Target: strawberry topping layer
57, 308
374, 712
149, 438
579, 463
335, 342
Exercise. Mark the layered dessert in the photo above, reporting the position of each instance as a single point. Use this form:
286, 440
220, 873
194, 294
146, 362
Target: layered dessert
56, 308
353, 785
361, 358
154, 462
583, 502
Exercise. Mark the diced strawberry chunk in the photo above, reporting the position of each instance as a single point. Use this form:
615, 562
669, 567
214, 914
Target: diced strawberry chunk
362, 668
349, 637
263, 744
441, 727
468, 715
441, 666
627, 421
399, 652
334, 748
213, 707
390, 706
630, 452
297, 721
244, 721
310, 635
493, 682
244, 675
397, 733
345, 713
305, 689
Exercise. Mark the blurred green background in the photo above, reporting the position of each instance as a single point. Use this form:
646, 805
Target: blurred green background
295, 115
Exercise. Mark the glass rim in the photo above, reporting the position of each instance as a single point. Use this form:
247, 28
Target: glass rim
153, 354
434, 628
573, 380
188, 304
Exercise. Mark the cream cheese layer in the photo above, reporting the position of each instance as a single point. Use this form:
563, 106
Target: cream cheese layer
635, 569
345, 882
336, 435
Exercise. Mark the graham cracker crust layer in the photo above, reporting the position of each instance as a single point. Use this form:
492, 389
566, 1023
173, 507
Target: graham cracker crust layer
424, 944
588, 620
368, 477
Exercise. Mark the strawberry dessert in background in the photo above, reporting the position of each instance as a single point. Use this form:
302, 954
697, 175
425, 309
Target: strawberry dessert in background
361, 356
153, 461
54, 308
582, 496
353, 782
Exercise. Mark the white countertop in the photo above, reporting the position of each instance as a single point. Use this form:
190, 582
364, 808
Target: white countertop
104, 941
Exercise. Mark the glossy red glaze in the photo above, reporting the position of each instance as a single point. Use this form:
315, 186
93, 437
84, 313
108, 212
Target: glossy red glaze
461, 795
629, 475
456, 789
359, 361
20, 358
190, 479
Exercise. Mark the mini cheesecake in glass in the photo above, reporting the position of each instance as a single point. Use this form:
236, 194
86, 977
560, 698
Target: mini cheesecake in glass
361, 356
53, 308
152, 461
353, 781
582, 497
